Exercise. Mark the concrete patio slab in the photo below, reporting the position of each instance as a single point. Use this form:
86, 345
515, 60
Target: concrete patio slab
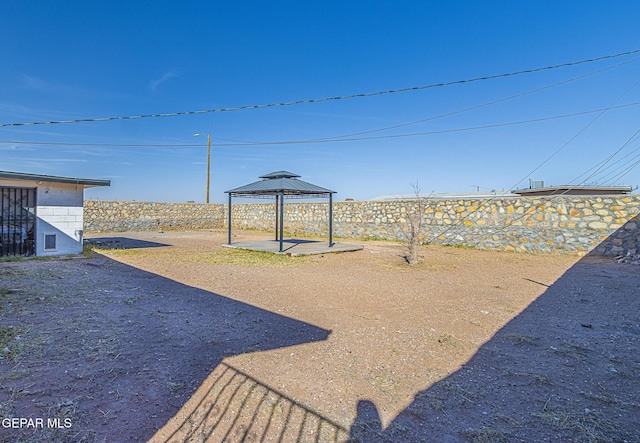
295, 247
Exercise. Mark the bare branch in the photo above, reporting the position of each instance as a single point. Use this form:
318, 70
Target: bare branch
415, 223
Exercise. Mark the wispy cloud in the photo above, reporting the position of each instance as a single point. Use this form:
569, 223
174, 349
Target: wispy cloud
41, 85
13, 112
153, 84
9, 148
39, 165
13, 108
94, 152
37, 84
59, 160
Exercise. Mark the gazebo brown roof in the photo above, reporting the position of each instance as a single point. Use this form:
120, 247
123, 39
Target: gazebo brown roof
281, 185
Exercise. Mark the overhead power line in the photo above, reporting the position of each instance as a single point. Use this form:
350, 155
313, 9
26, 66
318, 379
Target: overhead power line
327, 140
608, 171
501, 100
601, 166
340, 137
327, 99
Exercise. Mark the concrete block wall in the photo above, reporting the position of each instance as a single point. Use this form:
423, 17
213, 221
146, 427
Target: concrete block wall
59, 212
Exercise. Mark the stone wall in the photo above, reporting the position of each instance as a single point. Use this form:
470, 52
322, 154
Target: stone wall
564, 224
550, 224
121, 216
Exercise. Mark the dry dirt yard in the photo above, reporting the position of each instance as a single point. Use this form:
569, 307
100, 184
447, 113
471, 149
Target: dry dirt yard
169, 337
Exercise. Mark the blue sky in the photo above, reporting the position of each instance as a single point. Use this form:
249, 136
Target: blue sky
68, 60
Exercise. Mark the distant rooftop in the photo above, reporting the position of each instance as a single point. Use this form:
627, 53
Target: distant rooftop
574, 190
536, 188
447, 195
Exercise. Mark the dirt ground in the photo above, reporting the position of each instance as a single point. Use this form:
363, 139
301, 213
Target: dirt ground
169, 337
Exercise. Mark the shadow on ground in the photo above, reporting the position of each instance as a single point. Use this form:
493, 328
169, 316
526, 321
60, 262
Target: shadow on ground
295, 247
566, 369
122, 243
120, 357
233, 406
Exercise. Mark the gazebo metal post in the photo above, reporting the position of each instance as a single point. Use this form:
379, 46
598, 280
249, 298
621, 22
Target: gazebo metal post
277, 196
281, 218
330, 220
229, 218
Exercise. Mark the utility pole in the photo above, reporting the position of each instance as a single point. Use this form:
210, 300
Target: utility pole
208, 163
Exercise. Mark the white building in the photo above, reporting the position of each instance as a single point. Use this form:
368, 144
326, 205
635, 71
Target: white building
42, 214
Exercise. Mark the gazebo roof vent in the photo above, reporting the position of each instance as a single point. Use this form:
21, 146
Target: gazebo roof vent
280, 174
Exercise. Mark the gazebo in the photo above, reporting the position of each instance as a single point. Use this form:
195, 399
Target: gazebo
281, 185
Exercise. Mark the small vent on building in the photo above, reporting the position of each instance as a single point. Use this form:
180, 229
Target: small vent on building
49, 242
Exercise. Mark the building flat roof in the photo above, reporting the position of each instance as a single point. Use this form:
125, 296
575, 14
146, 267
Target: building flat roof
575, 190
86, 182
445, 195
